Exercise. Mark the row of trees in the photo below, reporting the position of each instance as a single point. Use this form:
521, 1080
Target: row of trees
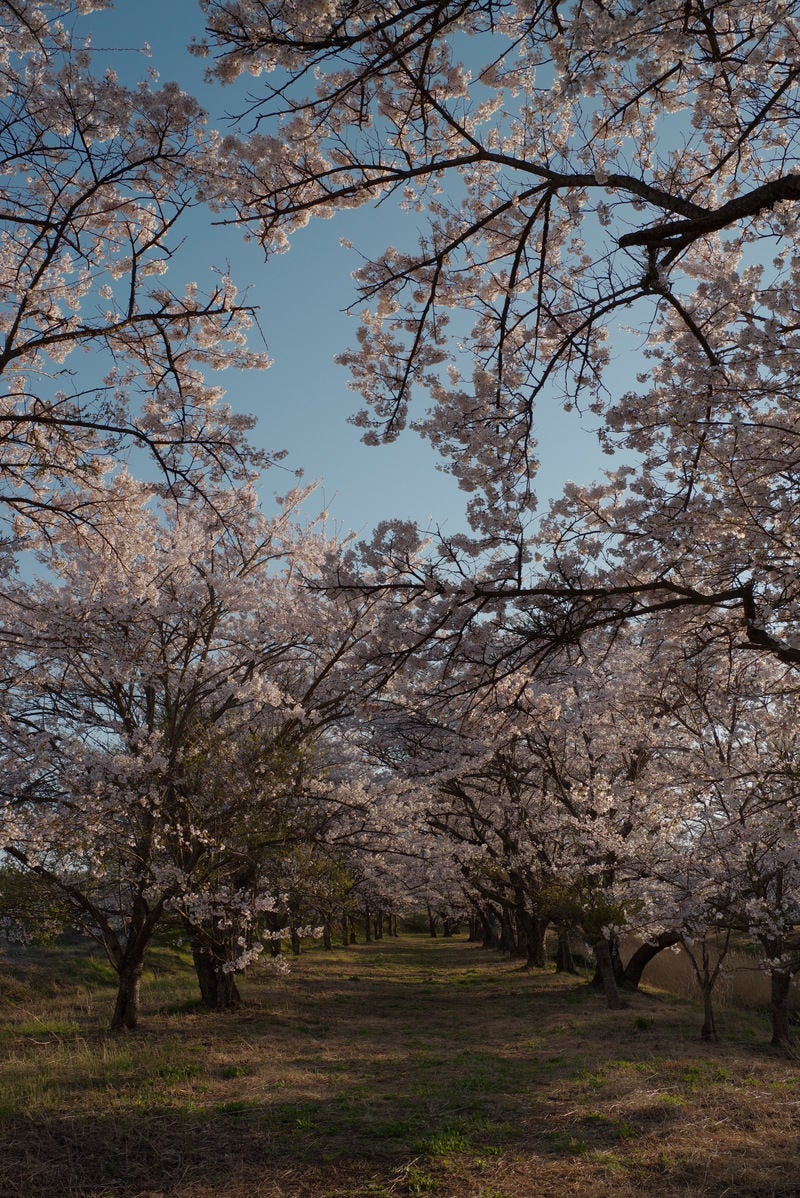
582, 721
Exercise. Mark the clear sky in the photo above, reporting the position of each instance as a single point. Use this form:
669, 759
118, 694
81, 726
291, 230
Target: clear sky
302, 402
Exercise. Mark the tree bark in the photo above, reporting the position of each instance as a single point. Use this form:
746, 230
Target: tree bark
605, 968
616, 965
708, 1031
126, 1008
534, 929
644, 955
431, 922
218, 989
508, 936
128, 960
780, 981
565, 963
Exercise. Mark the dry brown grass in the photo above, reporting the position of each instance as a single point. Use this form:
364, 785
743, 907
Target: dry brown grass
400, 1068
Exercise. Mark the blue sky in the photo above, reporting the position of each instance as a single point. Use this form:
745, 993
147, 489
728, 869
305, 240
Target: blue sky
302, 402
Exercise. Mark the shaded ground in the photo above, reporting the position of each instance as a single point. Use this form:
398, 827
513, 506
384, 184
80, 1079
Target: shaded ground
399, 1068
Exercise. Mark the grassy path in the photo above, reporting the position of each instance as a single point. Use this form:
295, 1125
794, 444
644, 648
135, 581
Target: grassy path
409, 1067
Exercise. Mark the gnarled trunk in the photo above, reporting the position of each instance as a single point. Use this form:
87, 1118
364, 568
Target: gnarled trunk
605, 969
644, 955
534, 929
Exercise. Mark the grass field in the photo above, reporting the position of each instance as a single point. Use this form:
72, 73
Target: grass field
410, 1067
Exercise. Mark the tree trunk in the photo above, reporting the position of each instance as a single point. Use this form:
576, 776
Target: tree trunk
534, 928
126, 1008
327, 934
491, 930
218, 989
431, 922
616, 965
565, 962
709, 1029
644, 955
345, 930
128, 960
508, 938
295, 935
780, 981
605, 968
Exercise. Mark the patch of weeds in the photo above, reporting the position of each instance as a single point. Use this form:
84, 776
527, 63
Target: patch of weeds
697, 1075
624, 1063
786, 1083
100, 971
240, 1106
186, 1006
610, 1161
231, 1071
592, 1080
642, 1023
443, 1142
618, 1127
183, 1071
419, 1182
46, 1027
672, 1100
571, 1145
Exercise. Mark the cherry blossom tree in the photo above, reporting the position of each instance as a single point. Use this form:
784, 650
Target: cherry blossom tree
735, 865
99, 358
555, 794
162, 693
588, 176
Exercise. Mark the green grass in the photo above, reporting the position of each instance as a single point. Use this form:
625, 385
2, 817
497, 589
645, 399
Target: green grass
399, 1068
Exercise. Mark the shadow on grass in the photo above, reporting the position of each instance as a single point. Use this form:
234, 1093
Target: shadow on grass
404, 1069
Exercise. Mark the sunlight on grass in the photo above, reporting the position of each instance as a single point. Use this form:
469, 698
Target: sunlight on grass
421, 1077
